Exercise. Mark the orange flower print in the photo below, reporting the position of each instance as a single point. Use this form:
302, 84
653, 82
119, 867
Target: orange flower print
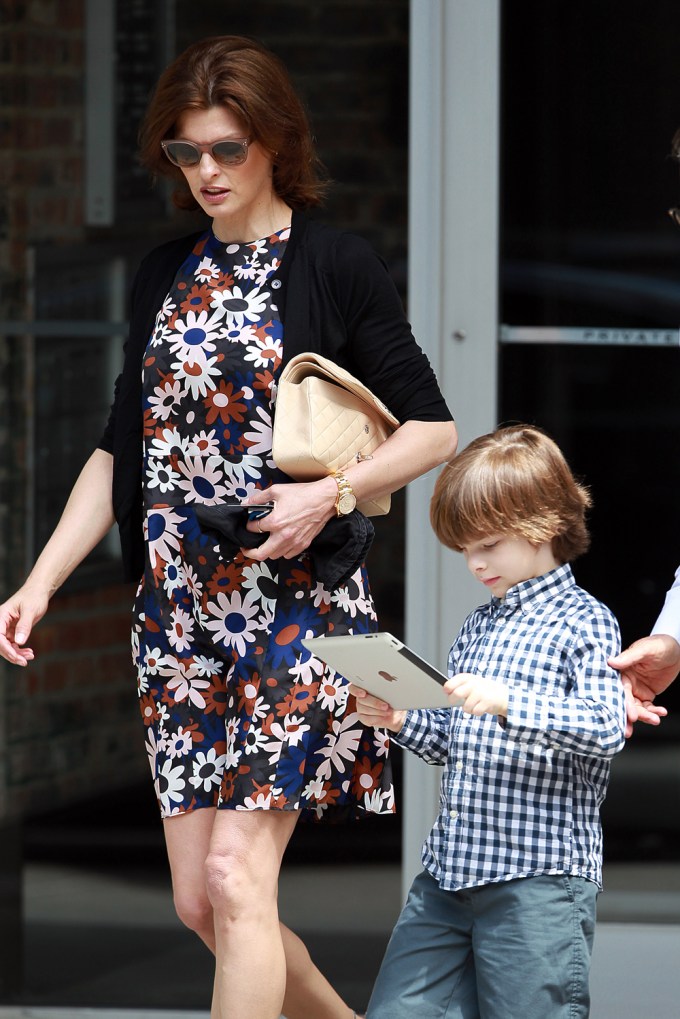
299, 698
226, 578
366, 778
148, 708
224, 403
198, 299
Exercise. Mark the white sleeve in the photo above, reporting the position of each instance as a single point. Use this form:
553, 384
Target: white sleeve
669, 620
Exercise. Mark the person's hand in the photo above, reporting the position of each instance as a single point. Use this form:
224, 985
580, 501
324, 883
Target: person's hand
647, 668
300, 512
650, 665
640, 711
372, 711
477, 695
18, 616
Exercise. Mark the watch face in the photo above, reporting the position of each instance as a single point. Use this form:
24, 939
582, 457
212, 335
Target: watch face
346, 503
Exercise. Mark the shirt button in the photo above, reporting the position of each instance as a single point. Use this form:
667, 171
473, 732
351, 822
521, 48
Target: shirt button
453, 814
276, 284
459, 765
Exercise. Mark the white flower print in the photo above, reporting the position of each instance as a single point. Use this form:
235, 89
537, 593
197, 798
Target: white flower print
196, 335
238, 489
174, 575
267, 270
166, 444
233, 620
181, 630
179, 744
198, 375
202, 480
160, 334
142, 681
153, 656
264, 351
160, 475
260, 438
260, 802
240, 307
381, 742
152, 749
248, 465
255, 740
342, 743
165, 398
259, 580
247, 271
275, 744
161, 529
204, 444
244, 333
207, 270
261, 709
376, 801
307, 671
314, 789
333, 692
167, 308
208, 768
320, 595
344, 600
295, 727
259, 247
183, 680
206, 666
169, 786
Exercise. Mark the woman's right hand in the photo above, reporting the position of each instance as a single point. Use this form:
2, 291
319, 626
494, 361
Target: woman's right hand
18, 616
372, 711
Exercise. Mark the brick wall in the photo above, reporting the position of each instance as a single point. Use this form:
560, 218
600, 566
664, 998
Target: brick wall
68, 725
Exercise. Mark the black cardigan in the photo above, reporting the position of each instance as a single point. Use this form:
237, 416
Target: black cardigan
335, 297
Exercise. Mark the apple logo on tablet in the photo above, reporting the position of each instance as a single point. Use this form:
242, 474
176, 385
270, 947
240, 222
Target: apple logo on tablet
388, 676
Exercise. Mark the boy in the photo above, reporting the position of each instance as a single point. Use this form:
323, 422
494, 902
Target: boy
500, 923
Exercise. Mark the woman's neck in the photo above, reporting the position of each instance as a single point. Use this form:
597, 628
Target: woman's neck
264, 220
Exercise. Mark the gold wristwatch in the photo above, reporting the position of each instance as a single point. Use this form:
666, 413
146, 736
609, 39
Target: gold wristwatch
346, 500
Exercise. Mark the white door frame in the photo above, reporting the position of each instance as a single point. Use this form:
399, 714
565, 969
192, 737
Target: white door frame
453, 307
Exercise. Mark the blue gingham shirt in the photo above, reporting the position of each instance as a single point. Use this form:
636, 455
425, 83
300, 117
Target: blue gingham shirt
521, 797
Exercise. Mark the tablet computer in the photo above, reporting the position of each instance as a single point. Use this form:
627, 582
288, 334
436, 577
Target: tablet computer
383, 666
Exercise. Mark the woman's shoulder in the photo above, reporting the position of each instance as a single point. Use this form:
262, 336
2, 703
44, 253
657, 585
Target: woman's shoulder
325, 240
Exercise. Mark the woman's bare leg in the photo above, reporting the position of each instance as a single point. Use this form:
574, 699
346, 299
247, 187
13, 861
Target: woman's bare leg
308, 993
242, 873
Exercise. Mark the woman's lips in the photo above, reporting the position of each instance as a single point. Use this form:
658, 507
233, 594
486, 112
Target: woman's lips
214, 194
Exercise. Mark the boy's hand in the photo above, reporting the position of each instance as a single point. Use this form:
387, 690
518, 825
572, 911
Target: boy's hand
372, 711
480, 696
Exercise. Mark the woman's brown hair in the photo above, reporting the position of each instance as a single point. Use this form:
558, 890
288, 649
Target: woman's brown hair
514, 480
245, 78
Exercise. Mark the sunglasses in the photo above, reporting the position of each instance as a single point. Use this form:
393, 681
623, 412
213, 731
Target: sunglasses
230, 152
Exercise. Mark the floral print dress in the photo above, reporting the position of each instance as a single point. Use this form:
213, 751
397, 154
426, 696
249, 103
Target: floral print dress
237, 713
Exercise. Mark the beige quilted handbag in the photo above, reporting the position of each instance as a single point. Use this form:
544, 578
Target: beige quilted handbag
325, 419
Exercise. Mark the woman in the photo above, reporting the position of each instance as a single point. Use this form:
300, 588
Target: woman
243, 737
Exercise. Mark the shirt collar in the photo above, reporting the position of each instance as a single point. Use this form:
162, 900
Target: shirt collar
531, 592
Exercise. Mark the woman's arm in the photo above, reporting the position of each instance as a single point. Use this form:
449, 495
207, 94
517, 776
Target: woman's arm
87, 517
302, 509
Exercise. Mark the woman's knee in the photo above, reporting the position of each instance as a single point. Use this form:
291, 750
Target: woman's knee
234, 886
195, 911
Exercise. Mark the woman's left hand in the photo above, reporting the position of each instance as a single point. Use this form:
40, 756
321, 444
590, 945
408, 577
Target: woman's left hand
300, 512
